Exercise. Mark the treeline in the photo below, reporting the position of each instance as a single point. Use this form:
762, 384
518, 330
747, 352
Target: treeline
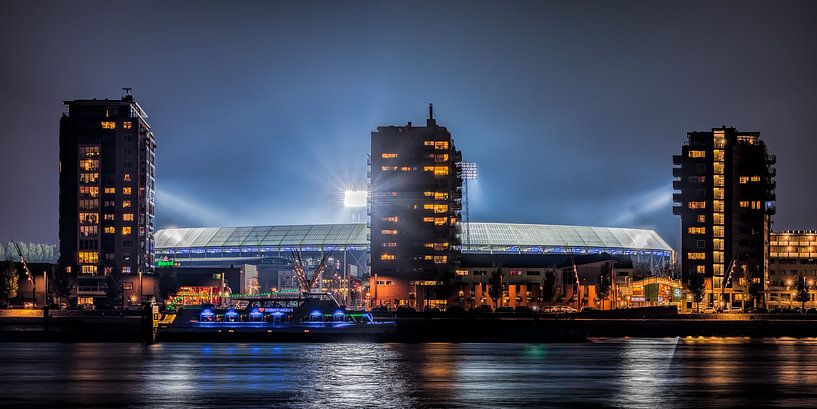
33, 252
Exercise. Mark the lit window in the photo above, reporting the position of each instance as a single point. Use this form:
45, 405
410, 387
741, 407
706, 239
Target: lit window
743, 180
89, 165
388, 231
441, 157
126, 178
126, 230
437, 246
697, 154
744, 203
88, 178
697, 230
89, 151
437, 170
440, 259
127, 125
461, 272
440, 145
718, 193
717, 155
110, 230
92, 191
127, 190
88, 231
428, 143
388, 155
756, 204
697, 205
717, 168
717, 231
755, 179
389, 244
110, 190
128, 217
88, 257
109, 217
89, 270
717, 257
126, 269
88, 218
387, 168
437, 208
701, 218
108, 125
441, 221
391, 219
717, 180
386, 257
406, 169
696, 256
700, 269
126, 203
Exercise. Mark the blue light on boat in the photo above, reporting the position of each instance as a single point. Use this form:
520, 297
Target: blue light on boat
256, 313
207, 313
231, 312
316, 312
339, 312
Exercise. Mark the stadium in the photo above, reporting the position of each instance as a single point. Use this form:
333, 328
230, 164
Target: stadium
269, 248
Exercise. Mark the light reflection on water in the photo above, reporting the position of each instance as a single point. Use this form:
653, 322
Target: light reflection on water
682, 373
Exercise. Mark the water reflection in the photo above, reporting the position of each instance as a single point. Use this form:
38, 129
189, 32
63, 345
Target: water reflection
682, 373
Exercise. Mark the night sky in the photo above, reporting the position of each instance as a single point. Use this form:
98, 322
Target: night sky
263, 111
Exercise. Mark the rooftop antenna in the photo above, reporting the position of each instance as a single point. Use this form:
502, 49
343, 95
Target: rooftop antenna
430, 111
127, 91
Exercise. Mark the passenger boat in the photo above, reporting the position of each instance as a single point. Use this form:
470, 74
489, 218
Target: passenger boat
303, 317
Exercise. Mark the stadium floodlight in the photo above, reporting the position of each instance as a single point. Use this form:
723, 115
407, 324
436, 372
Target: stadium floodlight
468, 170
355, 198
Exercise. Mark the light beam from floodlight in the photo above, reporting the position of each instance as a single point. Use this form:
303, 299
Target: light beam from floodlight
355, 198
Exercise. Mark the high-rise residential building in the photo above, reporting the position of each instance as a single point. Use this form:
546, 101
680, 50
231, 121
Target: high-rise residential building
415, 199
725, 198
107, 157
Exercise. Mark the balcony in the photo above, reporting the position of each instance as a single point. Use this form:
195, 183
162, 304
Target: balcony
677, 172
771, 159
677, 184
772, 171
677, 159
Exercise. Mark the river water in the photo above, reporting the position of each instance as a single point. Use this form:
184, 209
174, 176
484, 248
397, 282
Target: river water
649, 373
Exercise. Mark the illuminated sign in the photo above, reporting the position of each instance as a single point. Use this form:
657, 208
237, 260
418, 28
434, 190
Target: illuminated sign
265, 295
425, 283
277, 309
165, 262
637, 298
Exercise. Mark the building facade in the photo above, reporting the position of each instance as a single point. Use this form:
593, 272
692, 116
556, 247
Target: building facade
107, 168
415, 205
792, 258
725, 197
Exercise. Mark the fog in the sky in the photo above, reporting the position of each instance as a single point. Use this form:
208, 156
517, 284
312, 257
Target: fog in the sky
263, 110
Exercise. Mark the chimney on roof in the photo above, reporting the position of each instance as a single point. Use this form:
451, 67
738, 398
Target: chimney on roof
431, 122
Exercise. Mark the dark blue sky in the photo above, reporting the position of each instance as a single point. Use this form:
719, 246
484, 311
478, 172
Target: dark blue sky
263, 111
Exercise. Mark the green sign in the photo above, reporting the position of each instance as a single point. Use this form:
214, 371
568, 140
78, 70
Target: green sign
167, 263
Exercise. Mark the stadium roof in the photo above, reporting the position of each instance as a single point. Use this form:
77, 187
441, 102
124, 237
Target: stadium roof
482, 237
546, 235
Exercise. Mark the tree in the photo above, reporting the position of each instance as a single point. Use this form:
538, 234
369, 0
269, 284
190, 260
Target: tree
8, 281
696, 284
168, 283
549, 287
802, 291
603, 285
496, 288
113, 282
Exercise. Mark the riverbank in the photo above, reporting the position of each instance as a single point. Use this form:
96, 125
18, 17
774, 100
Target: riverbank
101, 326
